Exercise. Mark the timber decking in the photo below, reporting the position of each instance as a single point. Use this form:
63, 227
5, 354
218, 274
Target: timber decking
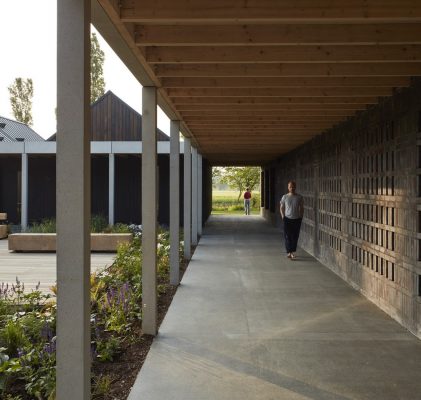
32, 268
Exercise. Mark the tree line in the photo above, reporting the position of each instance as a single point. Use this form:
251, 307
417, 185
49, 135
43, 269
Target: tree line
21, 91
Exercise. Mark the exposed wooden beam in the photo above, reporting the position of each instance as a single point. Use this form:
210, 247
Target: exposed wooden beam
288, 70
234, 120
259, 127
252, 124
250, 131
282, 54
279, 34
196, 123
240, 100
280, 92
279, 113
272, 82
240, 150
263, 109
255, 11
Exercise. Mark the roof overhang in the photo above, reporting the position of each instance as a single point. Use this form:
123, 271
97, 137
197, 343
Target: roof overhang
250, 81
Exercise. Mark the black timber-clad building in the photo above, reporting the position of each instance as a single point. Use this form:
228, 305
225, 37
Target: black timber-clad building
115, 128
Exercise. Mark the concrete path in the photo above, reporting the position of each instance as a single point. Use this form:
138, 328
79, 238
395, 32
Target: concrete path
32, 268
248, 323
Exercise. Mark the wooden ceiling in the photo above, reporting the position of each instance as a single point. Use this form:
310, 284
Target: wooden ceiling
253, 79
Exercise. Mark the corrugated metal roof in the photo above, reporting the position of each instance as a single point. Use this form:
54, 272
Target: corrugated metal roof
15, 130
4, 137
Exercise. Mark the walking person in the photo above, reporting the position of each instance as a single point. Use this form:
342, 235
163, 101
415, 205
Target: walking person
247, 198
292, 212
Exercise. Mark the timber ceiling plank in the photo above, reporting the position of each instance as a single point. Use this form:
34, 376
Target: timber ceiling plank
252, 100
288, 70
271, 82
255, 11
253, 79
280, 92
280, 34
283, 54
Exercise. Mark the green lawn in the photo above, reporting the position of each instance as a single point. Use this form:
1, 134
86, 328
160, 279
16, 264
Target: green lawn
226, 202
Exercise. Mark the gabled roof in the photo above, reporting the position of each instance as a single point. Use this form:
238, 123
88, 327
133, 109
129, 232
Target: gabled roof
114, 120
12, 131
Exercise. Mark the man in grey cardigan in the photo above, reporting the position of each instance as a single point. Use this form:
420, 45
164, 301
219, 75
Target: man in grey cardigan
292, 212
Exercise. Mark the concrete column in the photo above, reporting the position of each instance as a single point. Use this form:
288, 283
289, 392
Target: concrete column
149, 210
194, 197
187, 199
24, 193
111, 188
73, 200
200, 195
174, 202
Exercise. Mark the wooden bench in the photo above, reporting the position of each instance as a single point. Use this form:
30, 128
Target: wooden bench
3, 225
46, 242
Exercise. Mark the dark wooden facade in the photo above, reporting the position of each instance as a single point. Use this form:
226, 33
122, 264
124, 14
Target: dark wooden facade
113, 120
10, 169
128, 195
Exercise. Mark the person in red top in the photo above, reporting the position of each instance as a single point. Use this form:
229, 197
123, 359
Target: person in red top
247, 197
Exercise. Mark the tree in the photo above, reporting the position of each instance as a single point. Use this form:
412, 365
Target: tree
21, 93
241, 178
97, 69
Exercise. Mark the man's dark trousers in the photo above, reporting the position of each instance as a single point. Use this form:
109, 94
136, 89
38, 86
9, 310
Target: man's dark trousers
291, 232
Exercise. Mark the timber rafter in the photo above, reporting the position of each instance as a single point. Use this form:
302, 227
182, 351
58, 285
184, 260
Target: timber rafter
252, 80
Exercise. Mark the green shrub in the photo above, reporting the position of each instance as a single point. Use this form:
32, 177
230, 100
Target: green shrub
119, 228
229, 202
98, 223
13, 337
101, 386
237, 207
45, 226
28, 321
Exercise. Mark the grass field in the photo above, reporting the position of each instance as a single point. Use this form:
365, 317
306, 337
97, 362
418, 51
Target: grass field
226, 202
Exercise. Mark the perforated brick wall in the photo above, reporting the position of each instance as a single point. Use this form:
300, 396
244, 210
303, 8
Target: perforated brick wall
361, 182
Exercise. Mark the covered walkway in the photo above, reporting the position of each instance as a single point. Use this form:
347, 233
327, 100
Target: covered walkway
248, 323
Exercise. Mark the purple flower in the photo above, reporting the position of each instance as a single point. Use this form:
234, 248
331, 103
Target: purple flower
50, 347
94, 353
110, 296
47, 332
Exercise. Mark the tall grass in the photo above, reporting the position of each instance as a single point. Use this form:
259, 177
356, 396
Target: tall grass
99, 224
226, 202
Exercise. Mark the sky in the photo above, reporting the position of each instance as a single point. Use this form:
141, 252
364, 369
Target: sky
28, 45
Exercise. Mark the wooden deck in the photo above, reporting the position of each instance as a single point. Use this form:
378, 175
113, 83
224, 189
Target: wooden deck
32, 268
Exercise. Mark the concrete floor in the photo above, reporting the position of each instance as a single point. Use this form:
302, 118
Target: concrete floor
32, 268
248, 323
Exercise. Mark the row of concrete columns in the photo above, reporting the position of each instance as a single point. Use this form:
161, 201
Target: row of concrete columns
73, 202
192, 206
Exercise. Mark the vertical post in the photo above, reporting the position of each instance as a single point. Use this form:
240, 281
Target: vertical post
73, 200
24, 193
194, 197
149, 210
111, 185
200, 195
187, 199
174, 202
